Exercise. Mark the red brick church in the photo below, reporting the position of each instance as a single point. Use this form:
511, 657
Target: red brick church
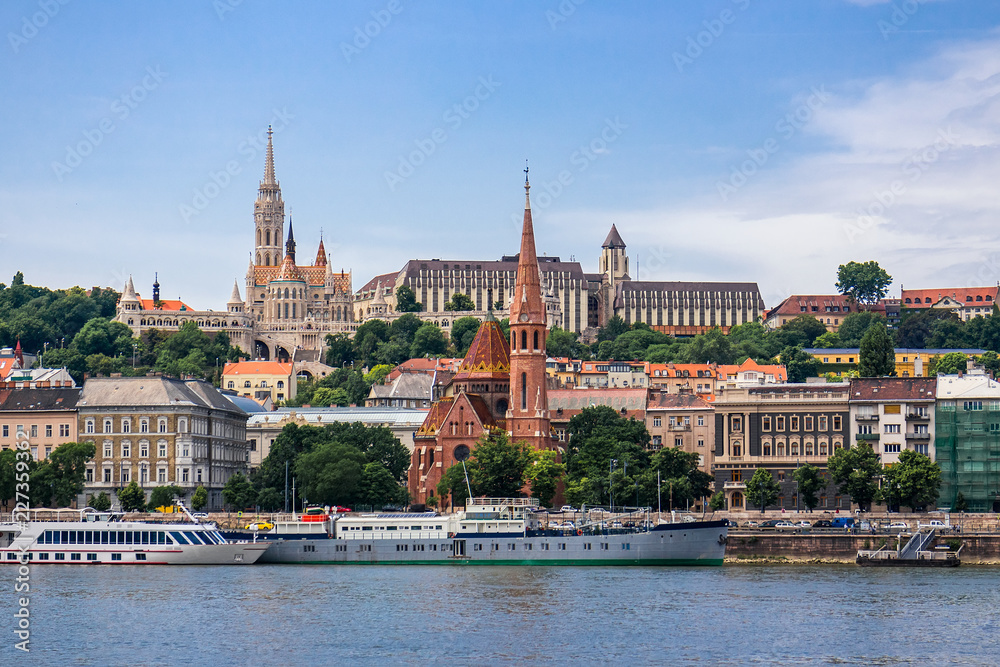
500, 385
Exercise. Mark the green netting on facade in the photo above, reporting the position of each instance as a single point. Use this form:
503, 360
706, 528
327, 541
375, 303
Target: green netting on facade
967, 442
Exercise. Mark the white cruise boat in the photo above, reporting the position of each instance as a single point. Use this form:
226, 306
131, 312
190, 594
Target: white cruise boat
103, 538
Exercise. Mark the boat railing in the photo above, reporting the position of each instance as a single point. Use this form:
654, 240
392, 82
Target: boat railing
500, 502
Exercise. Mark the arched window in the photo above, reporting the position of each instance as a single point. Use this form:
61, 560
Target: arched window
286, 292
268, 237
281, 384
258, 237
524, 390
536, 340
258, 259
524, 340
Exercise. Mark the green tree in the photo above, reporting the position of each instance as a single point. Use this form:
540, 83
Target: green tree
498, 466
101, 502
163, 496
762, 490
132, 498
67, 466
459, 302
828, 340
950, 363
8, 474
331, 474
615, 327
463, 332
810, 482
877, 357
270, 500
598, 435
990, 362
453, 485
856, 470
854, 325
917, 326
406, 300
863, 282
718, 501
339, 350
915, 481
238, 493
710, 347
810, 327
544, 475
428, 341
799, 364
378, 374
199, 499
961, 505
378, 488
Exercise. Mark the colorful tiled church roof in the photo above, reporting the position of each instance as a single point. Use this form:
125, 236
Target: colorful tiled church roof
488, 356
435, 416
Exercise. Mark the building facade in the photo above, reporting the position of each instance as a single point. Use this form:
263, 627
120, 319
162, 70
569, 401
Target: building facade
779, 428
967, 440
892, 415
156, 430
260, 380
685, 421
46, 416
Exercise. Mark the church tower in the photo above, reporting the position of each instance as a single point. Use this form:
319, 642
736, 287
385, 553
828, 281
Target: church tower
528, 415
269, 215
614, 261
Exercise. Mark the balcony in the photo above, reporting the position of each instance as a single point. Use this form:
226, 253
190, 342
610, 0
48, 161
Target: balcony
918, 416
734, 486
866, 418
679, 427
918, 436
867, 436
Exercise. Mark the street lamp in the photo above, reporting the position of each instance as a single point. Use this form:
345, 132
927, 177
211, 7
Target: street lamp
611, 484
135, 348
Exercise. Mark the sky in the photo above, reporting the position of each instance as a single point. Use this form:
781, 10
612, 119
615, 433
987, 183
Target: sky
728, 140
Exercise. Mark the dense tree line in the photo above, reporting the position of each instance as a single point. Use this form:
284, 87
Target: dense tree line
52, 482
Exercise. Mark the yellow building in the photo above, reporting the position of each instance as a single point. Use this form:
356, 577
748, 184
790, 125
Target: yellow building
45, 416
909, 362
260, 379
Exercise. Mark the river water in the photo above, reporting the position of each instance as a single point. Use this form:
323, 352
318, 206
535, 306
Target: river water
324, 615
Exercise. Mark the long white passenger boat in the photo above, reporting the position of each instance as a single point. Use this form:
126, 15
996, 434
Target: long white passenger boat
104, 539
497, 531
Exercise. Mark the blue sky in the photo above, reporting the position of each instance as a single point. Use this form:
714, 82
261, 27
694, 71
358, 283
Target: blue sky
766, 141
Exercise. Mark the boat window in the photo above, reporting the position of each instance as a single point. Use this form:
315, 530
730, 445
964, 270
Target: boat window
88, 537
178, 538
104, 537
121, 537
145, 537
43, 556
209, 536
193, 538
366, 527
113, 537
220, 538
128, 537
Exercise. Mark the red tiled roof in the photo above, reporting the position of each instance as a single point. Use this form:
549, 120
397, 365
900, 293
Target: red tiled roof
488, 355
779, 371
168, 304
313, 275
572, 401
793, 305
924, 298
893, 389
662, 399
385, 279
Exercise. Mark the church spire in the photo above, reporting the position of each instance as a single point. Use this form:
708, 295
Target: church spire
290, 243
527, 304
269, 162
321, 252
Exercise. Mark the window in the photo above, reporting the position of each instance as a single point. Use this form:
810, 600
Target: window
781, 475
737, 423
34, 430
48, 430
126, 449
182, 425
837, 423
63, 430
246, 384
823, 449
808, 423
765, 423
107, 426
143, 426
107, 475
890, 409
701, 442
230, 385
126, 425
891, 448
281, 384
185, 473
126, 475
678, 441
657, 421
161, 449
161, 425
794, 423
973, 405
161, 475
779, 423
794, 449
88, 426
701, 419
823, 423
891, 428
108, 449
89, 475
143, 449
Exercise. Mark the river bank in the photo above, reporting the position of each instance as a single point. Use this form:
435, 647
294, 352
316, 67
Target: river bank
764, 547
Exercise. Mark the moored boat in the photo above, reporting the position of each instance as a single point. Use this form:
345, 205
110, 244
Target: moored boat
504, 531
105, 539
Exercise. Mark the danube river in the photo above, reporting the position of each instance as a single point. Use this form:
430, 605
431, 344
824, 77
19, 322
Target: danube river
325, 615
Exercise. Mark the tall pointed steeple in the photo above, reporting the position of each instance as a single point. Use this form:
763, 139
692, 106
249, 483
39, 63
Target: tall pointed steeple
321, 252
156, 287
290, 243
528, 414
269, 214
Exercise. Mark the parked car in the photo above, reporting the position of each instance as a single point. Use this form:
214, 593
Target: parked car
900, 526
935, 524
785, 525
750, 524
260, 525
341, 509
822, 523
567, 508
804, 524
843, 521
771, 523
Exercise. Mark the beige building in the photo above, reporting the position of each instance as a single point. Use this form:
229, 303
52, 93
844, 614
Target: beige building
45, 415
157, 430
260, 380
682, 420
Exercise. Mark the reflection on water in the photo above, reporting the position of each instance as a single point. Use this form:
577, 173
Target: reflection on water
310, 615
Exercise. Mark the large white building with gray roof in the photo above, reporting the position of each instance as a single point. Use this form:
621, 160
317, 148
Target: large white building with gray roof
157, 430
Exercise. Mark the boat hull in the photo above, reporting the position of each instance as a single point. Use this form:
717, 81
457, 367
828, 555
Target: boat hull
678, 544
